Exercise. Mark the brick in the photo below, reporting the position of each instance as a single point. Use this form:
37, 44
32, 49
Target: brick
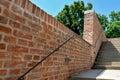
38, 12
3, 72
18, 2
15, 71
23, 42
36, 76
16, 56
47, 74
5, 3
42, 34
34, 9
28, 57
44, 26
5, 29
3, 20
22, 35
52, 43
35, 51
48, 37
36, 57
17, 9
48, 63
31, 44
29, 6
4, 56
49, 19
1, 63
50, 27
46, 17
0, 37
10, 39
11, 78
24, 3
2, 46
13, 64
36, 19
14, 24
13, 16
0, 9
19, 49
31, 64
25, 28
34, 25
42, 15
28, 15
40, 40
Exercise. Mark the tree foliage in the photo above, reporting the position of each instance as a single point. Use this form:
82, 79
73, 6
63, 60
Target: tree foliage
73, 16
113, 30
103, 20
114, 16
111, 26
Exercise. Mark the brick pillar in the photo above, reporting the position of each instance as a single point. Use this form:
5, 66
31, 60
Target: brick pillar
88, 26
93, 32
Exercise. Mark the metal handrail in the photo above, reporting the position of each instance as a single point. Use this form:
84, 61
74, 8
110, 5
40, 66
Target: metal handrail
56, 49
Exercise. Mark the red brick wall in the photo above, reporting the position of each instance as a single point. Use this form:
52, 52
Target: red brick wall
93, 32
27, 34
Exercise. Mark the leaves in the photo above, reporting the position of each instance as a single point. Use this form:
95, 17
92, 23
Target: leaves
73, 16
111, 24
113, 30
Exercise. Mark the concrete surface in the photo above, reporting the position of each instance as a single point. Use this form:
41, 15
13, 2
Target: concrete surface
98, 74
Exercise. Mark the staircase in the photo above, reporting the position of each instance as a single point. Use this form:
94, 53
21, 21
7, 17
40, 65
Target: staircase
109, 55
107, 64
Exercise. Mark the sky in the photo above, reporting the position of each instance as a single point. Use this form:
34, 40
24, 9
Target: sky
53, 7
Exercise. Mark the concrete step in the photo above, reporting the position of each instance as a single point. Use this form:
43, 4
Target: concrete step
107, 55
114, 55
114, 67
106, 51
110, 50
108, 59
110, 45
97, 74
107, 63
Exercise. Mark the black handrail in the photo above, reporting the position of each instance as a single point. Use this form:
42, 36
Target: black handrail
22, 76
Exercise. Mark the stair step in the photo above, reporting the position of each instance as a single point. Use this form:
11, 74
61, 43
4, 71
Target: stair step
110, 49
97, 74
109, 56
108, 60
115, 67
107, 63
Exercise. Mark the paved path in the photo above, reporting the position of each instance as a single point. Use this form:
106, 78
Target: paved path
99, 74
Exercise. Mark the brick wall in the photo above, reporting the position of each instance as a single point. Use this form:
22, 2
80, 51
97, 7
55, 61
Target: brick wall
93, 32
27, 34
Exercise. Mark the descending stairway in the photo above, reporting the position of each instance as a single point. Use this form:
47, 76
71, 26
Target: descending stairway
107, 64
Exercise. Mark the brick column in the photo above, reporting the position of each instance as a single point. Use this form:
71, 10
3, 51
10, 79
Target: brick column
93, 32
88, 26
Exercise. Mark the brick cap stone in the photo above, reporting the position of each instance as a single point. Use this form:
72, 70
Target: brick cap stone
89, 11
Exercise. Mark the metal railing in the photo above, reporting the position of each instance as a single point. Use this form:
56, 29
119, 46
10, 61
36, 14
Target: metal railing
56, 49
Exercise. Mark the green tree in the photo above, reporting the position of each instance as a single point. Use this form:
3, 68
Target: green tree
111, 24
113, 30
114, 16
73, 16
104, 21
114, 25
